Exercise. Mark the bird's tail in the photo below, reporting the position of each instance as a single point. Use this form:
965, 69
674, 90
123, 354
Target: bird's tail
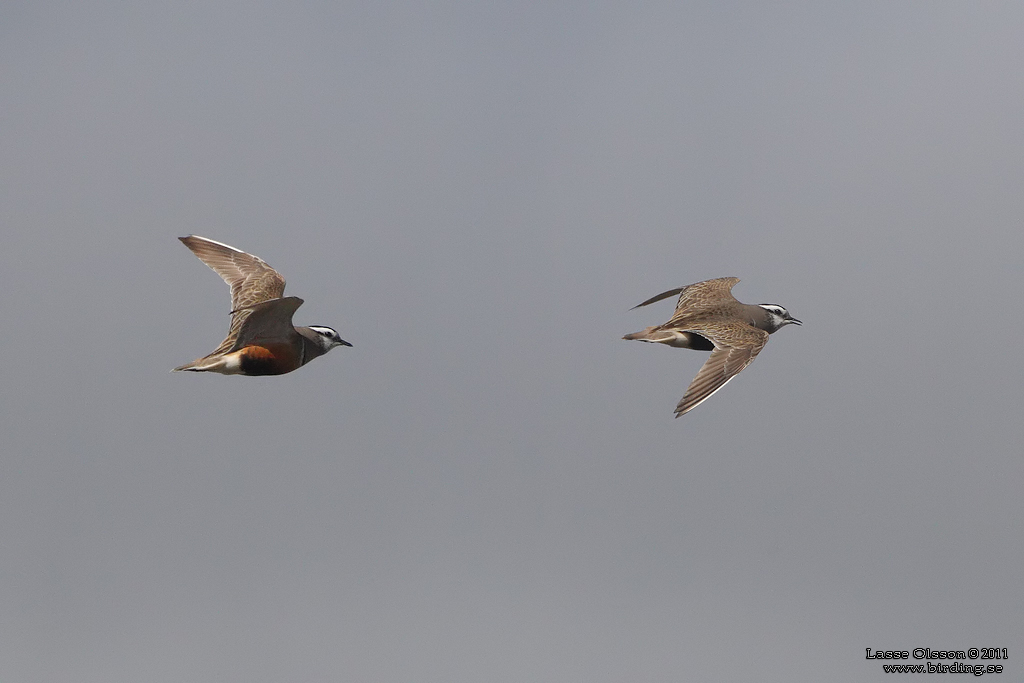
204, 364
650, 334
680, 339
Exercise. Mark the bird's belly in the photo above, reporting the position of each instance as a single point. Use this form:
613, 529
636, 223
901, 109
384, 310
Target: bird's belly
268, 359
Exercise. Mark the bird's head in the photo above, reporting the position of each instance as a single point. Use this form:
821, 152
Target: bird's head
778, 317
327, 337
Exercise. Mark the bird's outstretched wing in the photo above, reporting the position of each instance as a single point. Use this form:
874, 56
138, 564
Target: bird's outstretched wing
252, 283
699, 296
736, 346
704, 297
250, 278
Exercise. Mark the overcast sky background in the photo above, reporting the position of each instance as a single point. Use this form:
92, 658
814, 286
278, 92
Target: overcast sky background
490, 486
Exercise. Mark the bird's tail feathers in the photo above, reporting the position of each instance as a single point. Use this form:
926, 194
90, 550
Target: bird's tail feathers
651, 334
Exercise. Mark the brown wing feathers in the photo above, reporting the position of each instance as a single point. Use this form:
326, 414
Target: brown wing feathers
709, 309
722, 365
251, 280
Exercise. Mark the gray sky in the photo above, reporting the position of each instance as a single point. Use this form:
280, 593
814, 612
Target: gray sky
490, 485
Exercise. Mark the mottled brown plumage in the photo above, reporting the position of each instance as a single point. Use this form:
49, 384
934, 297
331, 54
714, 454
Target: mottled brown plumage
708, 317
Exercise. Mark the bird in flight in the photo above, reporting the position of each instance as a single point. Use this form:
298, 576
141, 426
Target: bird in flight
709, 318
261, 339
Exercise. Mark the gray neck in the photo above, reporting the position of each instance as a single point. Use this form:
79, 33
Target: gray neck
759, 318
312, 344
